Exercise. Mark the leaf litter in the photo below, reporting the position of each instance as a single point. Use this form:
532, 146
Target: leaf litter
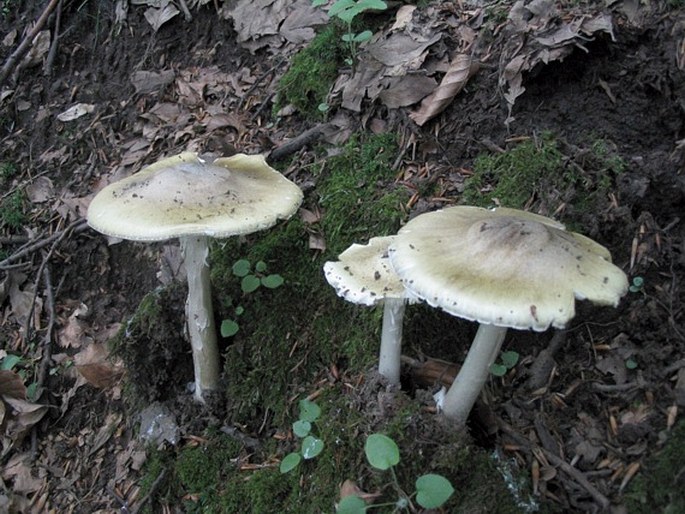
423, 62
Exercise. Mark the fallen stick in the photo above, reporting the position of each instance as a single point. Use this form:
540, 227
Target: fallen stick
290, 147
26, 43
572, 472
75, 226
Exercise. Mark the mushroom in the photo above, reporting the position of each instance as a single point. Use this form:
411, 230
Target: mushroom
187, 197
363, 276
504, 268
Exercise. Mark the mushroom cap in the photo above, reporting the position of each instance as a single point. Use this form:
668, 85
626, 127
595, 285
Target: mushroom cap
184, 195
503, 267
363, 274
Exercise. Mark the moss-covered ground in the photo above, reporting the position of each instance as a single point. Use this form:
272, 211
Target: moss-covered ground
546, 175
660, 487
311, 74
301, 339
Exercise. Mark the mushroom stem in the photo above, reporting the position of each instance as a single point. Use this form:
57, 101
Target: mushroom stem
200, 314
391, 339
474, 372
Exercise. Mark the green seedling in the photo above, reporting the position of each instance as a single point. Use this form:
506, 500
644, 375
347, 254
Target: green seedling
347, 11
507, 361
636, 285
382, 453
311, 445
250, 281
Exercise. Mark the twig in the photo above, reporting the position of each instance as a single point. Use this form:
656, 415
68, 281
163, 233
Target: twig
149, 494
75, 226
186, 11
50, 59
576, 475
617, 388
43, 264
123, 504
256, 83
46, 346
26, 43
290, 147
23, 184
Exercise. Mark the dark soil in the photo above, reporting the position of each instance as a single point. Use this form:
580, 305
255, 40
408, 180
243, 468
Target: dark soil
629, 93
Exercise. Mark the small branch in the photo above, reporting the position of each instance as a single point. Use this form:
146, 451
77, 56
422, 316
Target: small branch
26, 43
76, 226
572, 472
50, 59
256, 83
149, 494
47, 339
186, 11
293, 145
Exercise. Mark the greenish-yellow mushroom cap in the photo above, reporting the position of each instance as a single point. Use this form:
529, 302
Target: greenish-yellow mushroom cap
363, 275
503, 267
184, 195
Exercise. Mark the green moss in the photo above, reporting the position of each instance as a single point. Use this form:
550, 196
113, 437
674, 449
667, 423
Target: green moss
265, 491
659, 485
200, 468
545, 174
357, 193
311, 74
12, 210
290, 335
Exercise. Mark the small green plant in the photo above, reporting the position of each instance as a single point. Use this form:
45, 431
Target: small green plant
508, 360
347, 11
382, 453
6, 7
636, 285
251, 280
631, 363
311, 445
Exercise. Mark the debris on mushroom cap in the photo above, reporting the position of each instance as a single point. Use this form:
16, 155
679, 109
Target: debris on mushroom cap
504, 267
184, 195
363, 274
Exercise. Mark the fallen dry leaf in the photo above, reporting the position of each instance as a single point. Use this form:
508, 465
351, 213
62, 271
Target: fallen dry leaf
75, 112
157, 17
18, 470
40, 190
461, 69
73, 333
96, 366
21, 416
11, 385
350, 488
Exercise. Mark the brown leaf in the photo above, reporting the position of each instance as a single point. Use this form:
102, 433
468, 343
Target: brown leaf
460, 71
407, 90
12, 385
19, 471
148, 81
73, 333
22, 417
350, 488
95, 365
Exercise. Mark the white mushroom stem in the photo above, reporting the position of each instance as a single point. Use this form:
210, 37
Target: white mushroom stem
474, 372
391, 339
200, 314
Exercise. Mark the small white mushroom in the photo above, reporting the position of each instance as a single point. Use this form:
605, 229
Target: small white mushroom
363, 276
504, 268
186, 197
